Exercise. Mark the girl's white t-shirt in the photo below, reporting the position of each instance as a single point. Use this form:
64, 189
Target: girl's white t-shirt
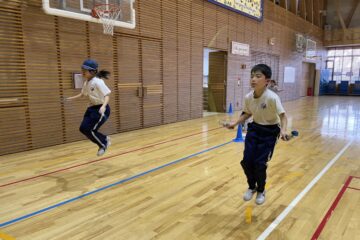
96, 90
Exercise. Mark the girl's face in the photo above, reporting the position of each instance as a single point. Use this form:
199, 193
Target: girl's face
258, 80
87, 74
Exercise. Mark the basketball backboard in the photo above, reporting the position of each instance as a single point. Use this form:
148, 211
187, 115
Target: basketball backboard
81, 10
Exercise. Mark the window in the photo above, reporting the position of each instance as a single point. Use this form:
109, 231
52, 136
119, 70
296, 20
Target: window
345, 63
329, 64
331, 53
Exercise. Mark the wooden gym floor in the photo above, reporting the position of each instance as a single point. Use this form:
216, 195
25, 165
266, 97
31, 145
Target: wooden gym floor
184, 181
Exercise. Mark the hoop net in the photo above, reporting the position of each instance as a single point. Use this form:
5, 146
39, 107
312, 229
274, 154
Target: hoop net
108, 14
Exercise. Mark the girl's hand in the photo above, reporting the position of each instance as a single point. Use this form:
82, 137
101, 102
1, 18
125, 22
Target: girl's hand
102, 110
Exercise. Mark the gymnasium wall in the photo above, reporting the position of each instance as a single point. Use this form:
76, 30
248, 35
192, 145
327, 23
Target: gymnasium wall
156, 68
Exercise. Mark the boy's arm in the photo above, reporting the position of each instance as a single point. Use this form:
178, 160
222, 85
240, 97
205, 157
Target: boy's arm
243, 117
283, 127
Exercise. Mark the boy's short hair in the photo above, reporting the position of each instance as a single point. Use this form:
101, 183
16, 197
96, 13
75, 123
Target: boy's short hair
263, 68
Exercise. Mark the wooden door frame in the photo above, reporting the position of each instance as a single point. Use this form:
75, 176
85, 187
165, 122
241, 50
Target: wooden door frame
225, 72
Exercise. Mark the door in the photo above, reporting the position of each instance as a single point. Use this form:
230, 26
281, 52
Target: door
140, 83
217, 82
129, 83
152, 83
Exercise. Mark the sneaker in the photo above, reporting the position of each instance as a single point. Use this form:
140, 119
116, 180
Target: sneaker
101, 151
260, 198
249, 194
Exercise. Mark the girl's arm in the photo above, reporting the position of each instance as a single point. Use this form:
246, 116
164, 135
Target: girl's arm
75, 97
103, 107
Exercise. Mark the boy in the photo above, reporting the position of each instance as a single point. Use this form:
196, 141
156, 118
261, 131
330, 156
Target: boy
267, 112
99, 111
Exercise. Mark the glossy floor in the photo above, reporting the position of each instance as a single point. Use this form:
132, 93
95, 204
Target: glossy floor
184, 181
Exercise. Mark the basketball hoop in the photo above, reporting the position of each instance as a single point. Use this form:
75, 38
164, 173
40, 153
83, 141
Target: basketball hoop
108, 14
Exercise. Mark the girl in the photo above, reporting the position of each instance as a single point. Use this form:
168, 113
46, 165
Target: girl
98, 112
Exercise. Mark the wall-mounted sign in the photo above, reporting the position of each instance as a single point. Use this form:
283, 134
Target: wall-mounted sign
78, 81
289, 74
250, 8
240, 49
310, 49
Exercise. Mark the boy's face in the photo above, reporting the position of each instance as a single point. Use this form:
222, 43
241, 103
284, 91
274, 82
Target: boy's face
258, 80
86, 74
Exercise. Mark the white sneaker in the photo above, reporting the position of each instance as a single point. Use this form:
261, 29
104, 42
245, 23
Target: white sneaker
249, 194
101, 151
260, 198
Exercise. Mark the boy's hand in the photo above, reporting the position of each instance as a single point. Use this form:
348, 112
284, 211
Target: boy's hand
284, 136
230, 126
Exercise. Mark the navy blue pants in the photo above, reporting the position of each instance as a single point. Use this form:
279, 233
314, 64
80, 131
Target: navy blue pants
259, 146
91, 123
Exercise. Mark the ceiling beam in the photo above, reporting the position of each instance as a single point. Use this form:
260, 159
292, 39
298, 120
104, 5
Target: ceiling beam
293, 6
283, 3
316, 13
351, 14
339, 15
309, 11
302, 8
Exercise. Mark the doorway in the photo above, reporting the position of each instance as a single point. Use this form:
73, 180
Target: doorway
308, 79
214, 81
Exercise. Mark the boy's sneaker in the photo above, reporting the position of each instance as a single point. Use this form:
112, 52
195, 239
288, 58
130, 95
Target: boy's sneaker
249, 194
101, 151
260, 198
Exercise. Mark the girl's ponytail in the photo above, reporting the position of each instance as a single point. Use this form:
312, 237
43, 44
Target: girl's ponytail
103, 74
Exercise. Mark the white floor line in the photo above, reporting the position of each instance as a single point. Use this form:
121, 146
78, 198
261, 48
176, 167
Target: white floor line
297, 199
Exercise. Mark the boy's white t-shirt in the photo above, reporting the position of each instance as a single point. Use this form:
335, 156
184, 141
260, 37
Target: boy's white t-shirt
266, 109
96, 90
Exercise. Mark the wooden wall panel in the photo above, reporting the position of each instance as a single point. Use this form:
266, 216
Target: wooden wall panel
184, 60
150, 18
170, 66
14, 137
72, 35
222, 28
14, 111
210, 24
232, 21
240, 29
43, 87
163, 54
196, 65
